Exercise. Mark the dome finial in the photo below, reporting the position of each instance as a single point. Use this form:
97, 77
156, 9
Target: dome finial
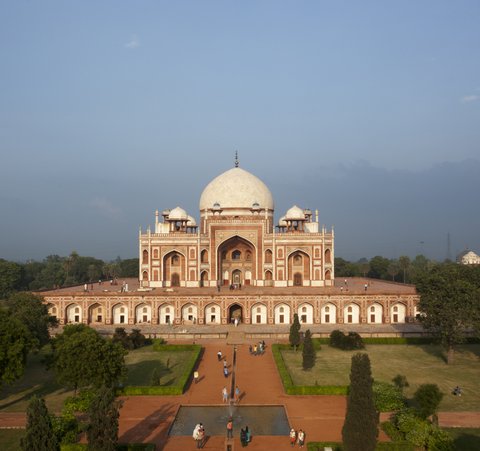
236, 159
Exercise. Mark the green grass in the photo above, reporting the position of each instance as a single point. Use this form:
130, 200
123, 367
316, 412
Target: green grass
419, 363
170, 365
35, 381
10, 439
465, 439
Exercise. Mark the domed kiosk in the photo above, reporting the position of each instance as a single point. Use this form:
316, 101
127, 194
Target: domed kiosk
236, 242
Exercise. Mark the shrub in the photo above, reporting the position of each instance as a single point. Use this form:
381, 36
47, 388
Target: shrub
79, 403
66, 428
346, 342
391, 430
387, 397
439, 440
415, 429
427, 399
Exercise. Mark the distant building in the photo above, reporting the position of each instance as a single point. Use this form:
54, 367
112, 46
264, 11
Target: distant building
468, 258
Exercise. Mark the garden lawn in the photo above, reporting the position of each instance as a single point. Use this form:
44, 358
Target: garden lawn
10, 439
421, 364
35, 381
465, 439
170, 365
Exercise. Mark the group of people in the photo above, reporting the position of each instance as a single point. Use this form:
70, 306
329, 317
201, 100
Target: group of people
297, 437
257, 349
457, 391
199, 435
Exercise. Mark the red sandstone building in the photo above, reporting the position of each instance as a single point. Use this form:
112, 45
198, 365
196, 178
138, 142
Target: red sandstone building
236, 263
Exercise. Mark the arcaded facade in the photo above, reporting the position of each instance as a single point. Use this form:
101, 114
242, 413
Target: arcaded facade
236, 241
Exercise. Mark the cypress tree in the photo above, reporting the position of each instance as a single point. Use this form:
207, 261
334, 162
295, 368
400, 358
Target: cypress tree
360, 428
39, 434
308, 353
294, 337
102, 433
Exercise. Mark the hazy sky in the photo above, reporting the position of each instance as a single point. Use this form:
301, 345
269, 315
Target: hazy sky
368, 111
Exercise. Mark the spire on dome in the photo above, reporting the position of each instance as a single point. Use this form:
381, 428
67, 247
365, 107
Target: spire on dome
236, 159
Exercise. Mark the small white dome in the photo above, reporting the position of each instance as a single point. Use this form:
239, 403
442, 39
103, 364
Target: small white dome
178, 214
191, 221
295, 214
282, 222
236, 188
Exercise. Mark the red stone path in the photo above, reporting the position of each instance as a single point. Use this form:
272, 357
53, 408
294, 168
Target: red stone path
148, 418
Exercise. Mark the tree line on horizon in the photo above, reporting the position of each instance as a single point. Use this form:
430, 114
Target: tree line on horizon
55, 271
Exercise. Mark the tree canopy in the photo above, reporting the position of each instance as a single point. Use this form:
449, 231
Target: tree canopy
82, 358
450, 303
294, 336
30, 310
15, 343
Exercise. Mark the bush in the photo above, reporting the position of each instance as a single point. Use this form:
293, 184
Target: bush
427, 399
65, 428
415, 429
387, 397
391, 430
79, 403
400, 381
346, 342
440, 440
394, 446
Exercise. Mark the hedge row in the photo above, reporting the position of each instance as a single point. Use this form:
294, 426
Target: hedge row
292, 389
381, 446
170, 390
397, 340
120, 447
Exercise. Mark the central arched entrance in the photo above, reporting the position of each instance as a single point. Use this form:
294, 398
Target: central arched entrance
235, 312
236, 262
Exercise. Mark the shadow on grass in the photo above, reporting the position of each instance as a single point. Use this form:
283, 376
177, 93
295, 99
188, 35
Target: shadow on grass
466, 441
140, 373
157, 423
36, 380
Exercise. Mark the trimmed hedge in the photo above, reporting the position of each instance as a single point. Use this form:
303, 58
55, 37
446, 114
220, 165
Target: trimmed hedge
291, 389
170, 390
120, 447
381, 446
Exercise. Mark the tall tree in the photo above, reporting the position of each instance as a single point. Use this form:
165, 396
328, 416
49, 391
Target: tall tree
102, 433
361, 421
39, 435
404, 263
427, 399
15, 343
82, 358
11, 275
449, 302
33, 313
308, 352
294, 336
379, 267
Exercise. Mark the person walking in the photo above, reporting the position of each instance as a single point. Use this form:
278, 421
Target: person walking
219, 355
293, 437
248, 434
195, 376
237, 395
230, 428
225, 395
201, 436
225, 372
196, 434
301, 438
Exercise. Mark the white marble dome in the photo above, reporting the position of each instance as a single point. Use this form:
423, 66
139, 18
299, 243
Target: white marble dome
295, 213
178, 214
191, 221
237, 189
282, 222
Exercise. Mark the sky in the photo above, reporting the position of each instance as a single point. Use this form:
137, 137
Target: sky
367, 111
